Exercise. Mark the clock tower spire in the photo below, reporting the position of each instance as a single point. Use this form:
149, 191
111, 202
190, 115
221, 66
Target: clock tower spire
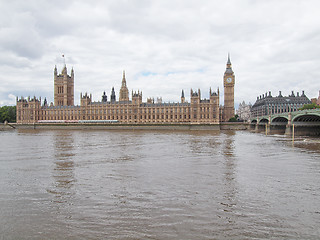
228, 83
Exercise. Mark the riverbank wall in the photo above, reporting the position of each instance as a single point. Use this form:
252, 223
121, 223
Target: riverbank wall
234, 126
123, 126
118, 126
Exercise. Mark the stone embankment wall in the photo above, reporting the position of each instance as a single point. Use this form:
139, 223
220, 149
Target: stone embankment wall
234, 126
172, 127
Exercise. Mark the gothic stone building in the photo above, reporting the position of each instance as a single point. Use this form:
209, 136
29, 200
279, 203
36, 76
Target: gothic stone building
125, 110
267, 105
244, 111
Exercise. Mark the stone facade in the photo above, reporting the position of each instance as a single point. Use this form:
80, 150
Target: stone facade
267, 105
197, 111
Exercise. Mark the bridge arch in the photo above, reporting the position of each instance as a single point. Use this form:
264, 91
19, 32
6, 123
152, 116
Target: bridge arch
264, 120
280, 120
309, 118
254, 121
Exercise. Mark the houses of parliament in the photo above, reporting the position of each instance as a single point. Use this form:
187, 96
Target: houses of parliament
126, 110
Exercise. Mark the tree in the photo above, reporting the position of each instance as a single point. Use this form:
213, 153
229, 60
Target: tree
309, 106
234, 119
8, 113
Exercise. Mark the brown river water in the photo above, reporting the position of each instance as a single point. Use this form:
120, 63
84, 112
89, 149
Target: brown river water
158, 185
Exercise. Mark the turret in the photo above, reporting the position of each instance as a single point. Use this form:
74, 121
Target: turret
64, 70
104, 97
85, 99
137, 97
195, 96
182, 97
113, 96
45, 102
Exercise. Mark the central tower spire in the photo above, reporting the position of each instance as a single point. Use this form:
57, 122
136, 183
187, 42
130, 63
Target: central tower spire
124, 92
124, 83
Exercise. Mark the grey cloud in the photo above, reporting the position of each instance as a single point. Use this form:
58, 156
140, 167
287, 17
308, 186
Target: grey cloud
271, 44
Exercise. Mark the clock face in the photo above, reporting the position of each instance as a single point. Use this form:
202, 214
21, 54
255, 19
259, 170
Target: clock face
229, 80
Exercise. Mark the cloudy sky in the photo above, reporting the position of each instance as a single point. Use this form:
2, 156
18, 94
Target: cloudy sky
164, 46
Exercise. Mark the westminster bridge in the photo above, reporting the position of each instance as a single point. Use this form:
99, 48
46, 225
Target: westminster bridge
304, 122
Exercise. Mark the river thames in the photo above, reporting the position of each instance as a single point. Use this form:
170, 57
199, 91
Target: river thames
158, 185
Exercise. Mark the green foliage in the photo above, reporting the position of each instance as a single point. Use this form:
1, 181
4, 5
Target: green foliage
8, 113
234, 119
309, 106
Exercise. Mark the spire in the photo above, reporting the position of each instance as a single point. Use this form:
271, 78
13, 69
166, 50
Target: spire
104, 97
64, 70
113, 95
124, 84
229, 68
229, 62
182, 93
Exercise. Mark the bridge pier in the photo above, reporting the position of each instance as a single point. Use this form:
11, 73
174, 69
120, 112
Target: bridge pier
288, 130
252, 126
256, 129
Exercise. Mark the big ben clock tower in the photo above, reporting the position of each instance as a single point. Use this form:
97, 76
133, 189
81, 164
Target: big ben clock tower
228, 83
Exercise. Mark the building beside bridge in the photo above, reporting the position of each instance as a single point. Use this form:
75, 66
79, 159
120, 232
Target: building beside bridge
126, 109
244, 111
268, 105
316, 100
